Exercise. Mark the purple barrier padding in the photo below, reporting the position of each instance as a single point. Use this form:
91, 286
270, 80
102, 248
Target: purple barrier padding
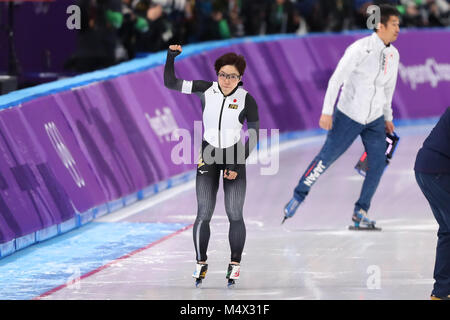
25, 199
155, 120
75, 150
56, 135
101, 133
423, 90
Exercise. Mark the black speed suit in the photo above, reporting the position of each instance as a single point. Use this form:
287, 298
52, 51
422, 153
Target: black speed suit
223, 117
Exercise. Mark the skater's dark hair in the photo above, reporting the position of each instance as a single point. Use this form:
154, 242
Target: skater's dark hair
386, 11
232, 59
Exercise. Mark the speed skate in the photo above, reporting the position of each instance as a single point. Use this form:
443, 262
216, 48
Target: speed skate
233, 273
361, 221
359, 227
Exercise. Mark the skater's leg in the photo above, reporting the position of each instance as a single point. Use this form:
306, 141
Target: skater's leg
234, 203
436, 188
339, 139
374, 139
206, 189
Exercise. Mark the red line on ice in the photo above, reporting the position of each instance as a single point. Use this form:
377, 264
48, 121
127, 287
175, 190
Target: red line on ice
128, 255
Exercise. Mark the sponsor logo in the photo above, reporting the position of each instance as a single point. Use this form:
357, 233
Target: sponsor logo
64, 153
430, 72
202, 171
163, 124
201, 163
385, 61
313, 173
233, 106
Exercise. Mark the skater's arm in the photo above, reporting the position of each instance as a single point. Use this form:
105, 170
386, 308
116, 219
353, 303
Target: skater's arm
252, 124
251, 114
389, 91
326, 121
172, 82
253, 137
250, 144
345, 67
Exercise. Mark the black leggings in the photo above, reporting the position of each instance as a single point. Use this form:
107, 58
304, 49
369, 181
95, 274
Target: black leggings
207, 184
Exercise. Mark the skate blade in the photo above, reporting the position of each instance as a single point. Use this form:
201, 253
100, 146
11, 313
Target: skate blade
364, 228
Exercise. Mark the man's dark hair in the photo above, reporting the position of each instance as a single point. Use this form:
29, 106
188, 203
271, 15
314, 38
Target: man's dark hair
386, 11
232, 59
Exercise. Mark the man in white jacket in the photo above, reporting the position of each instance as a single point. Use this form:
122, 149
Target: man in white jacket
368, 72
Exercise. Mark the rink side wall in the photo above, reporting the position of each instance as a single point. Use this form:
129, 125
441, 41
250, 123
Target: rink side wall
76, 149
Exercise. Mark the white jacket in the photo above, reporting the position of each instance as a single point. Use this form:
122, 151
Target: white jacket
368, 71
222, 116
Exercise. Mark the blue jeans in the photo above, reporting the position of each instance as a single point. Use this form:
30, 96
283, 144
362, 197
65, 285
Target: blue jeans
436, 188
339, 139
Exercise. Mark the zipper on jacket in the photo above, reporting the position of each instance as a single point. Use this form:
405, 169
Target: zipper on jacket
220, 118
375, 84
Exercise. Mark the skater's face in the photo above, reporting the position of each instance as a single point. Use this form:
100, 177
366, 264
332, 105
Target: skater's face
228, 78
390, 31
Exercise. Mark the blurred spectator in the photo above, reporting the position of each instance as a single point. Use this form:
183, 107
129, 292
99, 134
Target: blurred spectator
438, 13
218, 19
159, 32
280, 17
235, 18
253, 14
213, 20
114, 30
412, 16
201, 20
134, 23
339, 15
361, 13
175, 12
310, 10
98, 41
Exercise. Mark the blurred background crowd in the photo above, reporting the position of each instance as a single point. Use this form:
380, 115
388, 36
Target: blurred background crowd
116, 30
113, 31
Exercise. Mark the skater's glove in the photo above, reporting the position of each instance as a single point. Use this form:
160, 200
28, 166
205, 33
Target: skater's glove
174, 53
174, 50
230, 172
